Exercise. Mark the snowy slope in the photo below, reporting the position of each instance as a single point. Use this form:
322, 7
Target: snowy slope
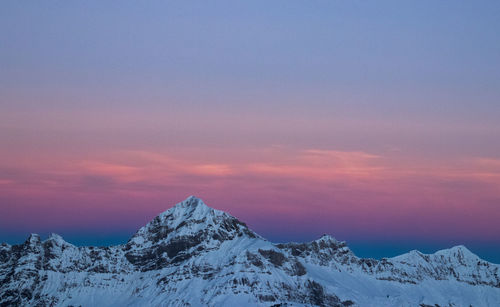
193, 255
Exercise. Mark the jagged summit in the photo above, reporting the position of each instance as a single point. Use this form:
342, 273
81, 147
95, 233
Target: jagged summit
33, 238
191, 201
327, 238
189, 217
190, 208
57, 239
189, 228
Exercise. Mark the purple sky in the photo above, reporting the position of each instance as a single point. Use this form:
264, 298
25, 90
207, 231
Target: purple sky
374, 122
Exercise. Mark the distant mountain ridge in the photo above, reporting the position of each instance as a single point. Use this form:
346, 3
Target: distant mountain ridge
193, 255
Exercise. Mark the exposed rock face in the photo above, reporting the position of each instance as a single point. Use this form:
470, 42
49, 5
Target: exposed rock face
176, 235
193, 255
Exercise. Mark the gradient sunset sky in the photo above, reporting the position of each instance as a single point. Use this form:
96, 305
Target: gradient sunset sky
377, 122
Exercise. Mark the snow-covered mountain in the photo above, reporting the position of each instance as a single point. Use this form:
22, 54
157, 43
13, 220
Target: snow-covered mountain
193, 255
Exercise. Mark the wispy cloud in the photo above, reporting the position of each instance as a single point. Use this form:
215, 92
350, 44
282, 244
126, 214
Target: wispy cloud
323, 165
132, 171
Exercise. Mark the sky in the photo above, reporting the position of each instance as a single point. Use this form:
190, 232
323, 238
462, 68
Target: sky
376, 122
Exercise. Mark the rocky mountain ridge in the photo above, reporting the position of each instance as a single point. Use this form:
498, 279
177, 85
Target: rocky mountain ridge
193, 255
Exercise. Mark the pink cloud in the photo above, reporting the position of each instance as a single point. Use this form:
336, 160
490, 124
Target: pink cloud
325, 190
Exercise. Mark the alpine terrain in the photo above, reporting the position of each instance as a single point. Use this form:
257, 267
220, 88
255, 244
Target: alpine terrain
193, 255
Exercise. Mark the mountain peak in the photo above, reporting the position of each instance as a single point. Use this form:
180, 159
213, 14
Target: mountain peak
459, 251
327, 238
57, 239
33, 239
191, 201
188, 209
189, 223
461, 248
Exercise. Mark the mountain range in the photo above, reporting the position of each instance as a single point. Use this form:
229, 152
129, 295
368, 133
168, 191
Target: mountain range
194, 255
